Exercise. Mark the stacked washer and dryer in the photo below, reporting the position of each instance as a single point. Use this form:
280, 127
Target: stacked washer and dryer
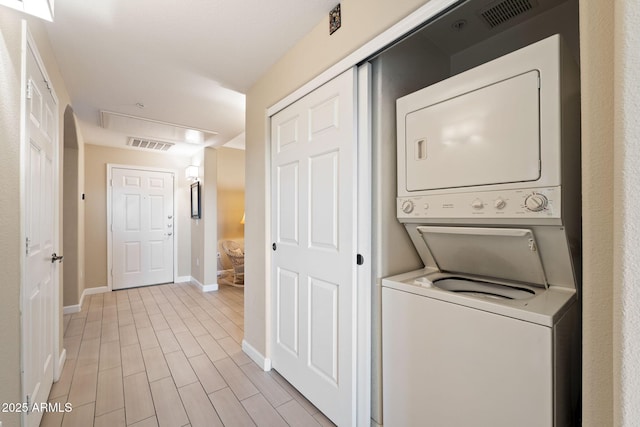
488, 333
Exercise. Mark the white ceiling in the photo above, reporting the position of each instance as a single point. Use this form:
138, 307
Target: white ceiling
188, 61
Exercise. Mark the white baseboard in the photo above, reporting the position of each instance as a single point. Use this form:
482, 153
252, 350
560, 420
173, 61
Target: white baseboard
70, 309
256, 356
205, 288
182, 279
57, 373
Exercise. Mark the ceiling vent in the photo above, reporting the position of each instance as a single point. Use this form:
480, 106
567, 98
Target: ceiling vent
147, 144
506, 10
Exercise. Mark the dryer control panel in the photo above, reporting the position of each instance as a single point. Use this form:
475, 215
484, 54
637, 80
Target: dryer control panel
506, 204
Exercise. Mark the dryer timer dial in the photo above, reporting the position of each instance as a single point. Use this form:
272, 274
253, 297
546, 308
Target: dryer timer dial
536, 202
407, 206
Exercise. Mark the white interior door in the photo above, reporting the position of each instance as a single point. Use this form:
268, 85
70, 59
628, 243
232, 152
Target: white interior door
142, 227
314, 171
38, 296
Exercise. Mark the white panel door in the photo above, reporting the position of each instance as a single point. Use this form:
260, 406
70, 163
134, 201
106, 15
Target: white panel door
38, 314
314, 172
142, 227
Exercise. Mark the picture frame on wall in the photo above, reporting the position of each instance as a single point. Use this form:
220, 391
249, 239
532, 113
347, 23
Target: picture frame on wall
195, 200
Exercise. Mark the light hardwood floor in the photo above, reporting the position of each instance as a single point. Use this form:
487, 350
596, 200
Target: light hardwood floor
169, 355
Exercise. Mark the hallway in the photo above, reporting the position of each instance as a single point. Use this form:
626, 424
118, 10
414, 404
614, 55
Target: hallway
169, 355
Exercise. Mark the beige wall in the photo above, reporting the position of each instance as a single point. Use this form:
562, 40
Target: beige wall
11, 245
603, 389
73, 210
96, 159
626, 178
197, 227
230, 193
204, 264
597, 64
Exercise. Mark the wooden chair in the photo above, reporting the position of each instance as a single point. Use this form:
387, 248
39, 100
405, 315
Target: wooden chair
236, 255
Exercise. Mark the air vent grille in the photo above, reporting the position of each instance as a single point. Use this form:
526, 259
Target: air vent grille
147, 144
505, 10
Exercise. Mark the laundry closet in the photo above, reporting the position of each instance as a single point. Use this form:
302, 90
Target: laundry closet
347, 233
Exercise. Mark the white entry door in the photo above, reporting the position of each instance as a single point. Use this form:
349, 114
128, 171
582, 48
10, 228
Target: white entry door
142, 227
38, 294
314, 172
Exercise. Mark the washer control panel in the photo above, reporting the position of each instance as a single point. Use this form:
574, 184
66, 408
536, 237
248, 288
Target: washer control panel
523, 203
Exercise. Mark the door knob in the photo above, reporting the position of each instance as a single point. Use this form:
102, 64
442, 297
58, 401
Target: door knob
55, 257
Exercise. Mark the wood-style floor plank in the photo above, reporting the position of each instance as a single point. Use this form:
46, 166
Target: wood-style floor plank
169, 355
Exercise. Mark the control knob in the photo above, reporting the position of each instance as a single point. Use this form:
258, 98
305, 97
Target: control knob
477, 204
407, 206
499, 203
536, 202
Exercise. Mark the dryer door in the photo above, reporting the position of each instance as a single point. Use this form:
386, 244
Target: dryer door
487, 136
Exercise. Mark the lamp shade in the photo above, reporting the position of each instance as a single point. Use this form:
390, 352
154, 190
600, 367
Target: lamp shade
192, 172
242, 220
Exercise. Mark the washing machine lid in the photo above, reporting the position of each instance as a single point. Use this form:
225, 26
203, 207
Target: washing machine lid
501, 253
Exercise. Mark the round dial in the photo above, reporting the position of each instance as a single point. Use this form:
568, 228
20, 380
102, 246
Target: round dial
536, 202
499, 203
407, 206
477, 204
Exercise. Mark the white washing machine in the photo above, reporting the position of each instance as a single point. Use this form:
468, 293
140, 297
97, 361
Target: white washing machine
488, 334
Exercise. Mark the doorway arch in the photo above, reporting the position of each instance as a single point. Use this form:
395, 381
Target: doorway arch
73, 214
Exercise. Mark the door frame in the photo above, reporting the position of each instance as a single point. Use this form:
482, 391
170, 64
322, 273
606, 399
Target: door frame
110, 167
59, 353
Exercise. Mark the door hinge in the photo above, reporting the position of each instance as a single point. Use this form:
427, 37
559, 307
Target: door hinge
26, 244
29, 90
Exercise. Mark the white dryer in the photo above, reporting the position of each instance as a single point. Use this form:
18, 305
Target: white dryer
488, 333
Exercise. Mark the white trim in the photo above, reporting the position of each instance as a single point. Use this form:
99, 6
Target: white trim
57, 373
256, 356
93, 291
181, 279
205, 288
406, 25
76, 308
71, 309
269, 239
363, 245
110, 167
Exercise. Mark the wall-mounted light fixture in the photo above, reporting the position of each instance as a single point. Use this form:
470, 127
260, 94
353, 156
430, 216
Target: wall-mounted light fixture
192, 172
